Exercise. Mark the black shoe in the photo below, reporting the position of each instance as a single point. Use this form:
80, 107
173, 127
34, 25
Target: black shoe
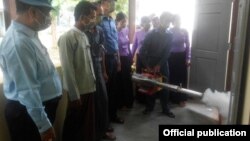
146, 111
169, 114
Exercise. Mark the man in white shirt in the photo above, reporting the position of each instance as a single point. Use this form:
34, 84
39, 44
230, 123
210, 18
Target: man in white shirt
79, 76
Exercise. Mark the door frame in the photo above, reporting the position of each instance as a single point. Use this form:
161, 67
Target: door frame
238, 84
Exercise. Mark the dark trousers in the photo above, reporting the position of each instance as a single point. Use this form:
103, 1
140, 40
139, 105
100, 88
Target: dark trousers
101, 102
79, 122
21, 126
178, 75
163, 94
111, 66
139, 64
140, 97
126, 97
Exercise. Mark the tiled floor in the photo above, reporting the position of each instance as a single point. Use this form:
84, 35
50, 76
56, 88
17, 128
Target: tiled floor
139, 127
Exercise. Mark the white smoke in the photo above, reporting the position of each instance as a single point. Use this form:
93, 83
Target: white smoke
220, 100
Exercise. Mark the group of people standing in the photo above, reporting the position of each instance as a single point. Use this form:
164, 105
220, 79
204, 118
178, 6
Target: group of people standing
90, 60
96, 64
92, 64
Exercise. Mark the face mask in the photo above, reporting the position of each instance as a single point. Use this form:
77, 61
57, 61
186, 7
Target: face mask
99, 19
90, 26
45, 24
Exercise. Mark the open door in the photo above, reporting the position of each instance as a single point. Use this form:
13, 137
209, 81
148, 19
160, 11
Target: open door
210, 44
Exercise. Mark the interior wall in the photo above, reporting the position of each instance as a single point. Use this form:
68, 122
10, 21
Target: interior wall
246, 107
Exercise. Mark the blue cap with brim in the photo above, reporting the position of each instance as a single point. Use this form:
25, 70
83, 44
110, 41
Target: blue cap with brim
40, 3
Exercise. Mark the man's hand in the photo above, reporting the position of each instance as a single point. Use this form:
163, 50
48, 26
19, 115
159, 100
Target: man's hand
188, 63
76, 103
157, 69
105, 76
48, 135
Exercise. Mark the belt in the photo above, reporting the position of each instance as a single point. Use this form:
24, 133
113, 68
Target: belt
44, 103
56, 99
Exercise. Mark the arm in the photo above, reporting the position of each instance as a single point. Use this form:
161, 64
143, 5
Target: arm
135, 45
48, 135
104, 72
123, 39
101, 43
118, 61
188, 49
66, 51
143, 51
123, 42
23, 69
129, 43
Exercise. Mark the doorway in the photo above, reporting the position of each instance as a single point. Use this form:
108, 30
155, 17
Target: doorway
208, 24
186, 10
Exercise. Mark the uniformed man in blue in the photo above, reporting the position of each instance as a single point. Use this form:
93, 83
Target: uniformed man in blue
31, 84
112, 57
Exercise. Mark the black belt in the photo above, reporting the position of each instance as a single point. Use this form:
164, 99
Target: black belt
52, 100
44, 103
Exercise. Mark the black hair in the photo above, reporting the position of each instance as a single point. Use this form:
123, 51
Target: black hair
83, 8
97, 3
120, 16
